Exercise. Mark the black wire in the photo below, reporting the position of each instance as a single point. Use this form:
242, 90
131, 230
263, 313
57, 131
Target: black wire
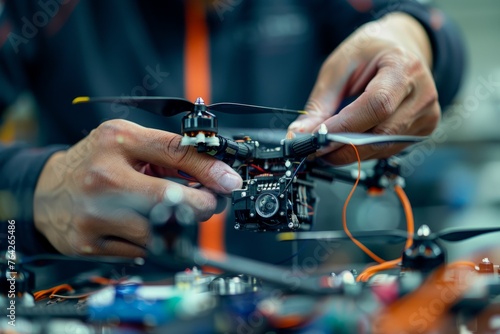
294, 174
291, 256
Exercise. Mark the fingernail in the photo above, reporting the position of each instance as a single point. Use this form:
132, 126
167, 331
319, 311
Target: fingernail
230, 182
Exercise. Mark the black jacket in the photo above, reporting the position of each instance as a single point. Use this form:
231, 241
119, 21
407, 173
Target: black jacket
262, 52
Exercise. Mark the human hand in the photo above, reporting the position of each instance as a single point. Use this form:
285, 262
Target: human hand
387, 63
94, 198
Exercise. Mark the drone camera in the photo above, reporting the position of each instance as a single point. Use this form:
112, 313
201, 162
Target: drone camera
273, 203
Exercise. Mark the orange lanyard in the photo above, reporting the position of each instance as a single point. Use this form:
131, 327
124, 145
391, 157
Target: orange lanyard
197, 84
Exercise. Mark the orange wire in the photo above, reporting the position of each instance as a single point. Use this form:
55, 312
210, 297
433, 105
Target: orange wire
344, 214
410, 226
410, 222
463, 263
52, 291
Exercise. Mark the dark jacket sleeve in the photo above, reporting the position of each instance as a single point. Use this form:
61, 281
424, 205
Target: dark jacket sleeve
20, 165
449, 52
20, 168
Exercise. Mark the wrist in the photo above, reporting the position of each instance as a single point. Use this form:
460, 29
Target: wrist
49, 183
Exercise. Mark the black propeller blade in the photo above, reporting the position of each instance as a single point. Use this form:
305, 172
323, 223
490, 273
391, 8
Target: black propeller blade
163, 106
171, 106
387, 236
453, 234
238, 108
383, 236
369, 139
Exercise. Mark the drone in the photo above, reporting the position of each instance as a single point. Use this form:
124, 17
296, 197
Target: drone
278, 178
277, 192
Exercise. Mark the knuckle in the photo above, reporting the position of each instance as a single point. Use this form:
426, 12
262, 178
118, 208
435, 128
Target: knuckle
345, 126
113, 131
187, 156
315, 107
98, 177
174, 151
387, 130
431, 99
140, 232
381, 105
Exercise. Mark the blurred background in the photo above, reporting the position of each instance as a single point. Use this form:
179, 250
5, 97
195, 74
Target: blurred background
457, 184
452, 180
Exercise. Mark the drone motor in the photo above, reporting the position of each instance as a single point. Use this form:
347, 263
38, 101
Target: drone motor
199, 127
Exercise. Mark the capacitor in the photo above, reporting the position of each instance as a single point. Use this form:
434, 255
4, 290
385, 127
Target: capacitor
486, 267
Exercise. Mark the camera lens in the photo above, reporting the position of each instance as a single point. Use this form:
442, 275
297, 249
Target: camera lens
266, 205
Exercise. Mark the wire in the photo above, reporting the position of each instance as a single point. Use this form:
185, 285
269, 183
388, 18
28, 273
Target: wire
410, 225
344, 214
291, 256
293, 175
463, 263
52, 291
410, 222
369, 272
260, 169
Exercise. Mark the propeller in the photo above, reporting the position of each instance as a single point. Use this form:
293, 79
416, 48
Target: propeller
388, 236
370, 139
381, 236
171, 106
277, 135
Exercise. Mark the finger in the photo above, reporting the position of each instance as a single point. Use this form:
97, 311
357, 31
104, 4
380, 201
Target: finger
164, 149
401, 122
203, 201
111, 246
124, 187
123, 223
380, 100
346, 154
327, 93
222, 204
